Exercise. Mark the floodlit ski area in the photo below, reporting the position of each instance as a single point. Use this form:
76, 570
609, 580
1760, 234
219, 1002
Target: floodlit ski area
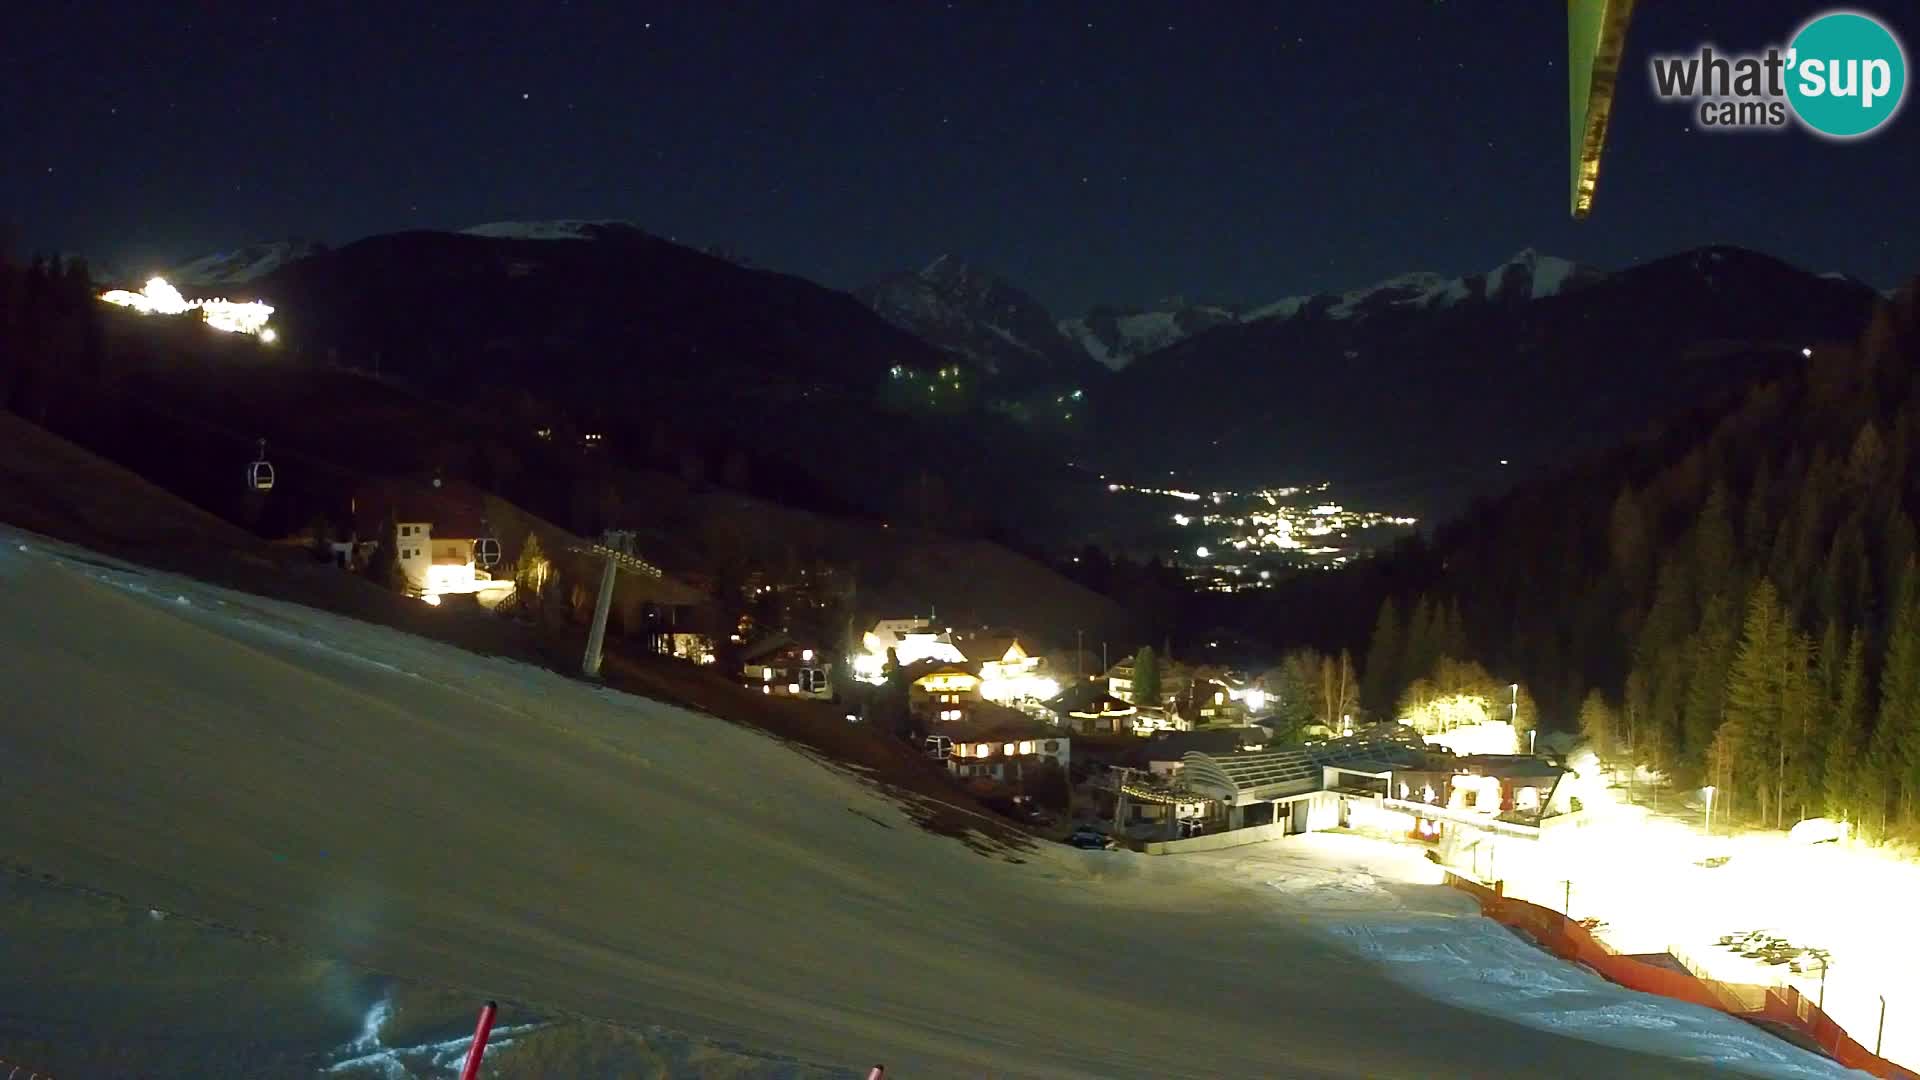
1659, 882
481, 824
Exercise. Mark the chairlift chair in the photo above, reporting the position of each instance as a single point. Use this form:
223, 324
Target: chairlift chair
260, 471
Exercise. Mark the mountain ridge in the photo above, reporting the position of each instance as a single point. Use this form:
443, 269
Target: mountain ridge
994, 326
978, 315
1460, 389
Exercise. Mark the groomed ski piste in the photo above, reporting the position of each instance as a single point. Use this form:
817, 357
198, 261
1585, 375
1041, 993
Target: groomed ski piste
480, 823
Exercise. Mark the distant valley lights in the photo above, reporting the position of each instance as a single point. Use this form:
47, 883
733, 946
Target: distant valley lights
160, 298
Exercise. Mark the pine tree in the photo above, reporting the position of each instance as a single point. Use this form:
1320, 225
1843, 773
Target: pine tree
1380, 682
1830, 666
1803, 704
1146, 678
1755, 691
1713, 545
1708, 654
1453, 632
1597, 723
1846, 581
1295, 693
1866, 460
1634, 709
1897, 736
1756, 529
1847, 740
1422, 642
1877, 778
1629, 543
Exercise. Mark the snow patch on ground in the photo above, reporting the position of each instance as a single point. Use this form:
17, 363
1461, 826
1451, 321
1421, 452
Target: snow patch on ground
367, 1051
1383, 902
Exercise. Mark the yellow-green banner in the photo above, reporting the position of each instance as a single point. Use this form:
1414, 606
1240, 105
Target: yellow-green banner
1596, 39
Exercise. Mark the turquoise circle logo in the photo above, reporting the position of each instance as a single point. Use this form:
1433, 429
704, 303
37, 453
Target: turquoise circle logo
1848, 74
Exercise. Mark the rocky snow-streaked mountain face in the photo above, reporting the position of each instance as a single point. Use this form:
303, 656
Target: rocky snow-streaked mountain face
1117, 337
995, 327
242, 265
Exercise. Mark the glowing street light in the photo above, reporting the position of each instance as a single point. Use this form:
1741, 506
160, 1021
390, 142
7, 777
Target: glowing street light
1708, 792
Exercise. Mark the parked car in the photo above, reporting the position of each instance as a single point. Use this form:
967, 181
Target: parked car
1088, 837
1818, 831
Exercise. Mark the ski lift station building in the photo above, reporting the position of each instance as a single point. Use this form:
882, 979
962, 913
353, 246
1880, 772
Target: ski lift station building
444, 543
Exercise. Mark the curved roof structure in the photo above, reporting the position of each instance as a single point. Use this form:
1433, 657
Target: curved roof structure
1276, 774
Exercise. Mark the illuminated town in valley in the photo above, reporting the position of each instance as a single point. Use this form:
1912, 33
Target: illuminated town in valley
1230, 541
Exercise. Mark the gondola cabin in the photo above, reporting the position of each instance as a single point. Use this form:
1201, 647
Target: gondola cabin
260, 471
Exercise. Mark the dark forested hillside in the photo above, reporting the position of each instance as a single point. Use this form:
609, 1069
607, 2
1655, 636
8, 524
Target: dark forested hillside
1734, 598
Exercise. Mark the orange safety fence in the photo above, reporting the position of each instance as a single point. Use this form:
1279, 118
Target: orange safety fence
1786, 1006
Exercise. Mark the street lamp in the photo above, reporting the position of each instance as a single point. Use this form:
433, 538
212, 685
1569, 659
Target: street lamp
1708, 791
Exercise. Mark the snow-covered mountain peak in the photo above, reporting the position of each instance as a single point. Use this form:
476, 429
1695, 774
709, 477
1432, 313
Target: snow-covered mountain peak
975, 314
1527, 275
954, 277
1545, 275
241, 265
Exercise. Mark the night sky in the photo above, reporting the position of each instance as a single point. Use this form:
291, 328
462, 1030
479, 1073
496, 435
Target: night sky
1111, 152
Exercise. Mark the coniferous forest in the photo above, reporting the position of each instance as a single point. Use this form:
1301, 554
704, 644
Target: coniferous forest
1732, 599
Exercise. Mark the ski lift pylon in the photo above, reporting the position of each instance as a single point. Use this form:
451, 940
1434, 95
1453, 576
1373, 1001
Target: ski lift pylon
260, 471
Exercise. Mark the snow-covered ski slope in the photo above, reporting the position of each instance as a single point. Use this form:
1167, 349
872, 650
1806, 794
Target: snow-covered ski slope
479, 824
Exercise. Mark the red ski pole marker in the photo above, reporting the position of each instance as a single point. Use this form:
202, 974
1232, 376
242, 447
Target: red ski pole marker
472, 1068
